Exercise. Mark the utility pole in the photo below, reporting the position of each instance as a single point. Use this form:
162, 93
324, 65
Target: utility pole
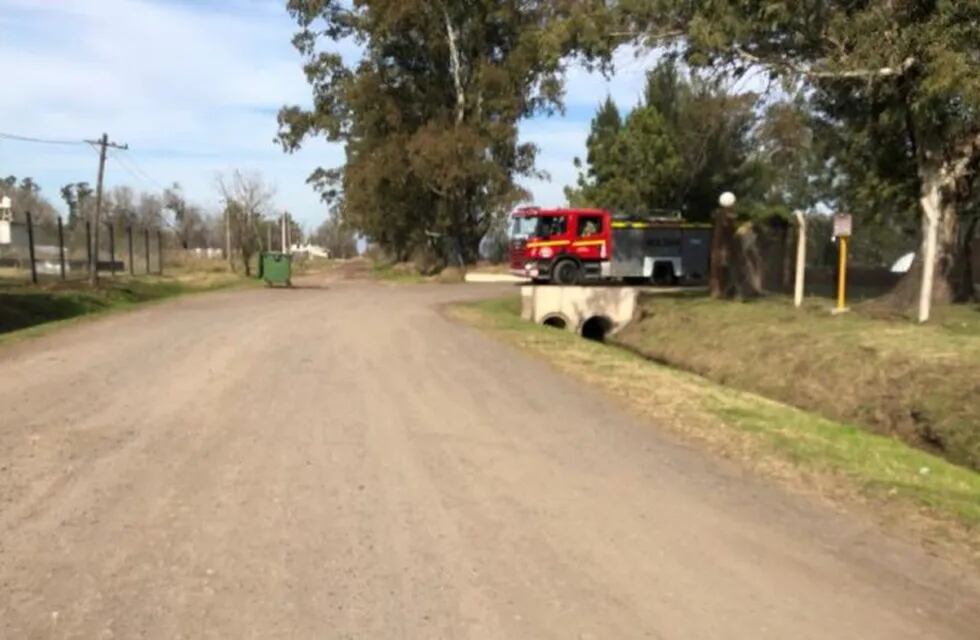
104, 144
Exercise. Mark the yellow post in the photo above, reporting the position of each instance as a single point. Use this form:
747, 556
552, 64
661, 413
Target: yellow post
842, 276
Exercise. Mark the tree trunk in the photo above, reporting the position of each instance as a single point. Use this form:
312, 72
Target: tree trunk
938, 205
966, 289
791, 243
737, 265
747, 262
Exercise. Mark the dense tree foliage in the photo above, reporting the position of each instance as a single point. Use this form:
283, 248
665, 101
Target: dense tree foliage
897, 82
248, 201
685, 143
429, 114
185, 218
336, 237
25, 195
77, 196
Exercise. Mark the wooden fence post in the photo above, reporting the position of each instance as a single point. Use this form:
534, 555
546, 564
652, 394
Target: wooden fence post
61, 247
30, 247
112, 248
129, 240
88, 246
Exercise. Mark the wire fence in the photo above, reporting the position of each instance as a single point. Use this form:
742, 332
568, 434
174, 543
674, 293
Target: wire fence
49, 250
878, 257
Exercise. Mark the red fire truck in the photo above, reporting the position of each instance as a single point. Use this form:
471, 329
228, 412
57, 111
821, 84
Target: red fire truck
572, 246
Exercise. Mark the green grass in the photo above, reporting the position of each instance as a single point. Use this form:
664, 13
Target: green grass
808, 450
27, 311
397, 273
888, 375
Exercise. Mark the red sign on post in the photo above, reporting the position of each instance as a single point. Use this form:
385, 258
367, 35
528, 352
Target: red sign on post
842, 225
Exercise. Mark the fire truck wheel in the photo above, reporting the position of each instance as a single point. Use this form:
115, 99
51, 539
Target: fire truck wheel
567, 273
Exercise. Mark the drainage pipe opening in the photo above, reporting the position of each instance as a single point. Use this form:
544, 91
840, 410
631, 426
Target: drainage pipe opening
555, 322
596, 328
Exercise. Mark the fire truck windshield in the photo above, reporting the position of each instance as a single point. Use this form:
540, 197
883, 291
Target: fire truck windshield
524, 226
538, 226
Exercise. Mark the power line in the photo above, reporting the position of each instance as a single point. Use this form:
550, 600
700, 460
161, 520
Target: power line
19, 138
126, 168
133, 169
131, 159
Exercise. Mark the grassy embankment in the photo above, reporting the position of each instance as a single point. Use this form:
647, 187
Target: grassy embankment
28, 310
938, 500
398, 273
407, 273
890, 376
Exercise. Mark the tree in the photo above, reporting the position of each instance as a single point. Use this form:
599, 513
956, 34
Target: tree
906, 67
121, 206
601, 164
792, 156
429, 115
77, 197
26, 196
187, 220
338, 239
149, 210
688, 141
247, 198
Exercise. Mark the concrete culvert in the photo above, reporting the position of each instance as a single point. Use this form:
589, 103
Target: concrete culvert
596, 328
555, 322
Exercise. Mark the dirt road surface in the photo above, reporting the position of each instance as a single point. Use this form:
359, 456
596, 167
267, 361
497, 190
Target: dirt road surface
343, 462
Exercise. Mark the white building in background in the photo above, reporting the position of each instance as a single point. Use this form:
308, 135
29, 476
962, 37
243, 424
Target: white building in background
310, 250
210, 253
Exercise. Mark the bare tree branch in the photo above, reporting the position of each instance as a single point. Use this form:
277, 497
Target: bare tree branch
882, 72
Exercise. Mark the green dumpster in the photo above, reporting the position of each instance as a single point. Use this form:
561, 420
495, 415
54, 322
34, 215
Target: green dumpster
276, 268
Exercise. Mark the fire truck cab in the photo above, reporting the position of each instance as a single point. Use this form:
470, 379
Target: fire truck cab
572, 246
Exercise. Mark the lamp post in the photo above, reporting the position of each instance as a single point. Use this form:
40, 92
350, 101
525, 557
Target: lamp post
718, 281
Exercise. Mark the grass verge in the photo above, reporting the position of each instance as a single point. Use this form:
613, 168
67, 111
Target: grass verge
885, 374
26, 311
908, 487
397, 273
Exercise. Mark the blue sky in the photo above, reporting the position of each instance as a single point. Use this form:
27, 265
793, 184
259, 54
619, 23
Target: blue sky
193, 87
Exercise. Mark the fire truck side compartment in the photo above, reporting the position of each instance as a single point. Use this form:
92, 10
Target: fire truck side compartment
696, 254
685, 249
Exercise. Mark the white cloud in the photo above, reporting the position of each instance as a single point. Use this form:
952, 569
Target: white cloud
193, 87
624, 84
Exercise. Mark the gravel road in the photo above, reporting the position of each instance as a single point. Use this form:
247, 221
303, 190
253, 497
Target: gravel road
340, 461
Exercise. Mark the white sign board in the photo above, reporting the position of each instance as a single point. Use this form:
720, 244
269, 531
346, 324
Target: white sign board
4, 231
842, 225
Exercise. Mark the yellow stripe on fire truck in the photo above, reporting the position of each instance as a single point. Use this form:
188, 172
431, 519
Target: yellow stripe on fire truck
548, 243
